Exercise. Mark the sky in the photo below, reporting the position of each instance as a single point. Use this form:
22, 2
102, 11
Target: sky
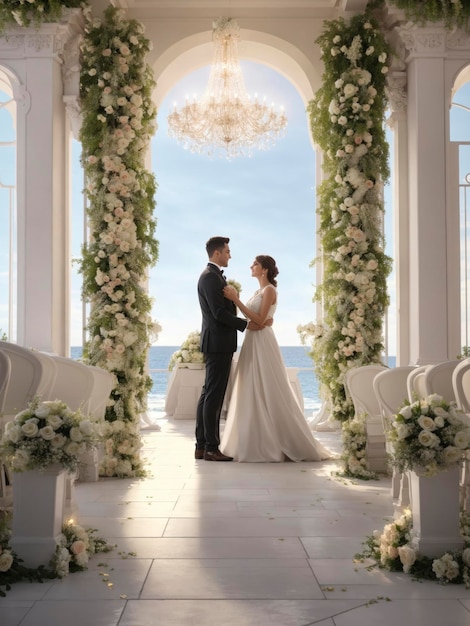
265, 204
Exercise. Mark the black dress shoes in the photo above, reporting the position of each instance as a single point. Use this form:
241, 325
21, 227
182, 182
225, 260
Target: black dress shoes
216, 455
199, 453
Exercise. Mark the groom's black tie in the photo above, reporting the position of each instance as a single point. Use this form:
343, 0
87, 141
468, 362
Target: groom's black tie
222, 274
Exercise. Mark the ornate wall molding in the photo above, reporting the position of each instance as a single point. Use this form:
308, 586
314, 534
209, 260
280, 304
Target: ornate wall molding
423, 42
74, 113
396, 91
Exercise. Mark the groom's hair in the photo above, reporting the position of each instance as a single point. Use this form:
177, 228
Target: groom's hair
215, 243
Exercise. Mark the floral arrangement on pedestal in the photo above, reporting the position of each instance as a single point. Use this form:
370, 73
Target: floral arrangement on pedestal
189, 352
34, 12
347, 122
46, 434
394, 549
428, 436
118, 122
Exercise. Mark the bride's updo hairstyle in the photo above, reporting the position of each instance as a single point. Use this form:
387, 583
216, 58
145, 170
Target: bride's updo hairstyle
269, 264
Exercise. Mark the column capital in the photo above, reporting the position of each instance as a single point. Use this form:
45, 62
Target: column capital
423, 41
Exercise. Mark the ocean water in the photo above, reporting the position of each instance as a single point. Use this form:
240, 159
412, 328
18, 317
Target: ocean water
294, 356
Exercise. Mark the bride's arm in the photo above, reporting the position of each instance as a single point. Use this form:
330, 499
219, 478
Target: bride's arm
269, 297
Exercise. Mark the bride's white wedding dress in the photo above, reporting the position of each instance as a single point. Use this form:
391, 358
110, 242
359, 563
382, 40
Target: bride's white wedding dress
265, 422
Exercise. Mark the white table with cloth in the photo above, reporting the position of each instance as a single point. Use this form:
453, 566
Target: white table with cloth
185, 385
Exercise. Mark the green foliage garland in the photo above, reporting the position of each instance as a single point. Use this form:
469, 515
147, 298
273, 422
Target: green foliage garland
347, 121
453, 13
118, 122
33, 12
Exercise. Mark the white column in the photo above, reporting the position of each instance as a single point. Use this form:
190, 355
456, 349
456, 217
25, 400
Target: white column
35, 58
429, 315
399, 125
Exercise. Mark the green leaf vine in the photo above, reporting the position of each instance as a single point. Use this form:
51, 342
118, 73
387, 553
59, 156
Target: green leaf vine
347, 122
118, 122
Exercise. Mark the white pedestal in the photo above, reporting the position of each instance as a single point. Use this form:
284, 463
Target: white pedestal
38, 514
435, 508
184, 389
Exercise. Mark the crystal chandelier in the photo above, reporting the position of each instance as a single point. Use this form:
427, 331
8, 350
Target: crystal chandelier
226, 121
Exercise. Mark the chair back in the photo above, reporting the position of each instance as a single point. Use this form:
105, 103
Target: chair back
73, 384
438, 379
390, 388
5, 371
415, 383
27, 377
103, 384
358, 382
49, 373
461, 385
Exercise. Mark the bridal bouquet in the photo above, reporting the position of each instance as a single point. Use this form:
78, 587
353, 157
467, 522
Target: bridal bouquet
429, 436
189, 352
45, 434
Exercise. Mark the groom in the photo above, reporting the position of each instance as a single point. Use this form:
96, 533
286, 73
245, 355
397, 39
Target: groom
218, 343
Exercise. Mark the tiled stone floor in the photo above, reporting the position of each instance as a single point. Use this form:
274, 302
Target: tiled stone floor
233, 544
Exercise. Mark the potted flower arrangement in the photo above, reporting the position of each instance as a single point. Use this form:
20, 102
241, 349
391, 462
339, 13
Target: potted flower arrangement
46, 434
428, 436
189, 353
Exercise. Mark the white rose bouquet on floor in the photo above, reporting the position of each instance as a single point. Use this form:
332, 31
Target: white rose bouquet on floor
429, 436
45, 434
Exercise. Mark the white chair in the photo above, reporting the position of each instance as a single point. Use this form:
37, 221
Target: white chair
73, 384
461, 385
438, 379
390, 388
415, 383
49, 374
27, 378
359, 386
103, 384
5, 371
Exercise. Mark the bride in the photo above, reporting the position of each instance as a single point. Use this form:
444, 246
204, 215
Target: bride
265, 423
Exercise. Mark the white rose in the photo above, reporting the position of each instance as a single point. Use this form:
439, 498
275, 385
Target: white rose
402, 431
428, 439
76, 434
13, 433
71, 448
407, 557
451, 455
406, 412
461, 439
439, 568
47, 433
30, 428
466, 556
55, 421
6, 561
58, 441
42, 410
427, 423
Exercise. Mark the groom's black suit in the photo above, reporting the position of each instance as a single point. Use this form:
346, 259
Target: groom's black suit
218, 343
